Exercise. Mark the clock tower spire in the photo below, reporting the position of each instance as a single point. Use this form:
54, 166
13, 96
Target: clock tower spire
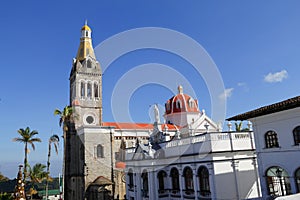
86, 83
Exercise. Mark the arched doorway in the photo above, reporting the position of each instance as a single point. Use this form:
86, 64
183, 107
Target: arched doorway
98, 191
297, 179
278, 182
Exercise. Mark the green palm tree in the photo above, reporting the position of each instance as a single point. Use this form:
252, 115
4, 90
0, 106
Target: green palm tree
238, 126
54, 139
64, 118
27, 137
37, 174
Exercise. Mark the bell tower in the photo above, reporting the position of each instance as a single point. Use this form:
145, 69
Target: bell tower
86, 83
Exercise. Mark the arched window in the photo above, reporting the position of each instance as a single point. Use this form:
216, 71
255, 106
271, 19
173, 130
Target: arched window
191, 103
297, 179
296, 133
100, 151
161, 181
188, 180
167, 105
82, 89
175, 180
96, 90
74, 90
130, 178
271, 139
278, 182
145, 189
203, 176
178, 104
89, 63
89, 90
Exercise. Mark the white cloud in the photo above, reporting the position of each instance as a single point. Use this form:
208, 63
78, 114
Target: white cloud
276, 77
241, 84
226, 94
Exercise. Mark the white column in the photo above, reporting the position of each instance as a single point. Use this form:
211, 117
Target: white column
152, 184
181, 182
85, 88
168, 181
195, 181
212, 183
92, 90
137, 184
234, 165
256, 176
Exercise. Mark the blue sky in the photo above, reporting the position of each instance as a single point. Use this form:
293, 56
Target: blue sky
255, 45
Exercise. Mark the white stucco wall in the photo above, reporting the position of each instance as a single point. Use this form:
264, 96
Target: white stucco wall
287, 155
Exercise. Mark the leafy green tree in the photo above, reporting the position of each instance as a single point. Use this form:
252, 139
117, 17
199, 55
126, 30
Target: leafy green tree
3, 178
37, 174
238, 126
5, 196
27, 137
54, 139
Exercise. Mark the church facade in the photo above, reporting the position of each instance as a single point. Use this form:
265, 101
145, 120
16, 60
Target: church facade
197, 161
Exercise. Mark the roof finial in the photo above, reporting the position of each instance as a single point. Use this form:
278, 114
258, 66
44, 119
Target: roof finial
85, 23
180, 89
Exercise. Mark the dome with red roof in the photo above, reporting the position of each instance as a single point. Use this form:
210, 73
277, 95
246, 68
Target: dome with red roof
181, 103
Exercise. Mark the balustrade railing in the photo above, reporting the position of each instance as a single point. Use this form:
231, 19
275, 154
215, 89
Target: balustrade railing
220, 141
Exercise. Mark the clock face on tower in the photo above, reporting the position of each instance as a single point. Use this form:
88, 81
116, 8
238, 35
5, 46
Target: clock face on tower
89, 119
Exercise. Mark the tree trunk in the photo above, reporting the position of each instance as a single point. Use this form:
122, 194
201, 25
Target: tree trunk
48, 170
25, 163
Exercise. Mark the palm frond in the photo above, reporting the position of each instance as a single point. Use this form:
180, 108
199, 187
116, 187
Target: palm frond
56, 148
21, 131
34, 132
36, 140
55, 140
57, 112
32, 145
18, 140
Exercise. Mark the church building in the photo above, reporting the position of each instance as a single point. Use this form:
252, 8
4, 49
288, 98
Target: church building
197, 161
186, 157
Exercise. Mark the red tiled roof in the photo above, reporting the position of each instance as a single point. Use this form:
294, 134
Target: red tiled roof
122, 125
184, 99
170, 126
136, 126
120, 165
273, 108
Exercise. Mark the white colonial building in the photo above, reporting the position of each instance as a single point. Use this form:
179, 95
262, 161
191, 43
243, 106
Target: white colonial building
195, 161
276, 130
